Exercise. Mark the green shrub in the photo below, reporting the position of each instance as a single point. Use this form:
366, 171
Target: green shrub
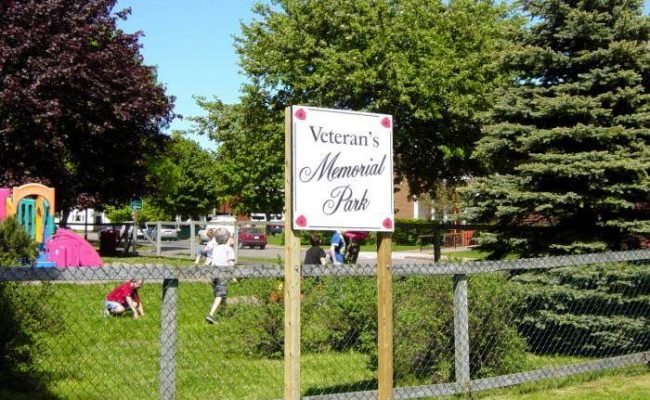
22, 318
424, 328
594, 311
348, 310
340, 314
22, 321
16, 247
264, 333
407, 231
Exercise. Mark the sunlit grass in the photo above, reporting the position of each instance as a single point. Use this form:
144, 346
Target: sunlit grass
89, 356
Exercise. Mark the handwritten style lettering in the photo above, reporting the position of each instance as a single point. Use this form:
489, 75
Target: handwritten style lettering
341, 199
328, 169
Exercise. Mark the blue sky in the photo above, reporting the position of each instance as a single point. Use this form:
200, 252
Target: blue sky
191, 44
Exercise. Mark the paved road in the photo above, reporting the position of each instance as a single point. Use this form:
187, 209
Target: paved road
181, 248
398, 258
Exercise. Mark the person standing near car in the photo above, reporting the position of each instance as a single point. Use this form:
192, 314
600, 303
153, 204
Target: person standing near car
223, 255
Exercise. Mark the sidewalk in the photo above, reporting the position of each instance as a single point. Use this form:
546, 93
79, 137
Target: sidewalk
399, 255
424, 254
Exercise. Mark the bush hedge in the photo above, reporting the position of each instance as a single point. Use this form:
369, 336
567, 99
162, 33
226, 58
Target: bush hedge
22, 317
340, 314
16, 247
597, 310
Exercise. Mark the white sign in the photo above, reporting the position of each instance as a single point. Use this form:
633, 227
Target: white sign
342, 170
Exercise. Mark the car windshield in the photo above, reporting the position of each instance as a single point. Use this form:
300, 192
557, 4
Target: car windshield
251, 231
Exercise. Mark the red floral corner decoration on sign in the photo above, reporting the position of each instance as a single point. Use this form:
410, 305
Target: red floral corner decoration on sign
301, 114
385, 122
301, 221
388, 223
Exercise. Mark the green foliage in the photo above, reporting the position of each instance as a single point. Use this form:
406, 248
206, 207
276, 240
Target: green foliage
16, 247
596, 310
407, 231
79, 110
149, 212
22, 321
566, 145
266, 331
187, 180
119, 215
22, 318
340, 314
250, 154
424, 333
349, 311
431, 64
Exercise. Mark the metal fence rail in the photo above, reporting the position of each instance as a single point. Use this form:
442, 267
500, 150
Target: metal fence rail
459, 327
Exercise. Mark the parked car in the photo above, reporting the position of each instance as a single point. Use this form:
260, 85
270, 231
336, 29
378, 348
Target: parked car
222, 221
275, 227
251, 237
167, 232
139, 232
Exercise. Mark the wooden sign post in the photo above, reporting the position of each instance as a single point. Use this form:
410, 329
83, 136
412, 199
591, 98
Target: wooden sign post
291, 280
338, 177
384, 316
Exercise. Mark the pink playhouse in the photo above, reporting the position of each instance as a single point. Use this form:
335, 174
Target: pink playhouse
33, 206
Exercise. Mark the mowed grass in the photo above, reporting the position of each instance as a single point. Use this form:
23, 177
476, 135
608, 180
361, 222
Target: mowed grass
632, 383
92, 357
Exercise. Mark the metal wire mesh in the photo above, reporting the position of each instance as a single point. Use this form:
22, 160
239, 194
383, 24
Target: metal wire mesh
457, 327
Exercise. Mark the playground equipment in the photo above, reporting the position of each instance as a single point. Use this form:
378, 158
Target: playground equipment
33, 206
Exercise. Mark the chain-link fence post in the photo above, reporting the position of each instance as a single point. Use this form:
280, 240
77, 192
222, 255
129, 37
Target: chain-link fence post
158, 239
461, 332
168, 340
437, 242
192, 238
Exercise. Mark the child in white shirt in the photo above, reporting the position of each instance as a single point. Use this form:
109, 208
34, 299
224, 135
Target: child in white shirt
223, 255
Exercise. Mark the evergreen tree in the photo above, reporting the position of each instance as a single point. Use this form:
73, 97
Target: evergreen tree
567, 143
15, 244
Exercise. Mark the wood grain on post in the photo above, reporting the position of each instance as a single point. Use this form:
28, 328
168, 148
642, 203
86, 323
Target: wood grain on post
291, 278
385, 315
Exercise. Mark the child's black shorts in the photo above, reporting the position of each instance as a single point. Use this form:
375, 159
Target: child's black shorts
219, 288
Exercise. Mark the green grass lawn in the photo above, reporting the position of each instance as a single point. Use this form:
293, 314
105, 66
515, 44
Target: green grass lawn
631, 383
92, 357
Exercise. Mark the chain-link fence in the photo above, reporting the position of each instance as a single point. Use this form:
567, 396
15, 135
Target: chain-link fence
457, 327
180, 239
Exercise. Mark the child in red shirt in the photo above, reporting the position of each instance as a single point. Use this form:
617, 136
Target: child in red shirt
123, 296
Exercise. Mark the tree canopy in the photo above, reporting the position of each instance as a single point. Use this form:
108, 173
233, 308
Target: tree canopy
78, 108
250, 158
186, 178
429, 63
567, 143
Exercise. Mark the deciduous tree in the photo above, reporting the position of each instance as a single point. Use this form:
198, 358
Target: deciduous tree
78, 108
430, 63
186, 178
250, 155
